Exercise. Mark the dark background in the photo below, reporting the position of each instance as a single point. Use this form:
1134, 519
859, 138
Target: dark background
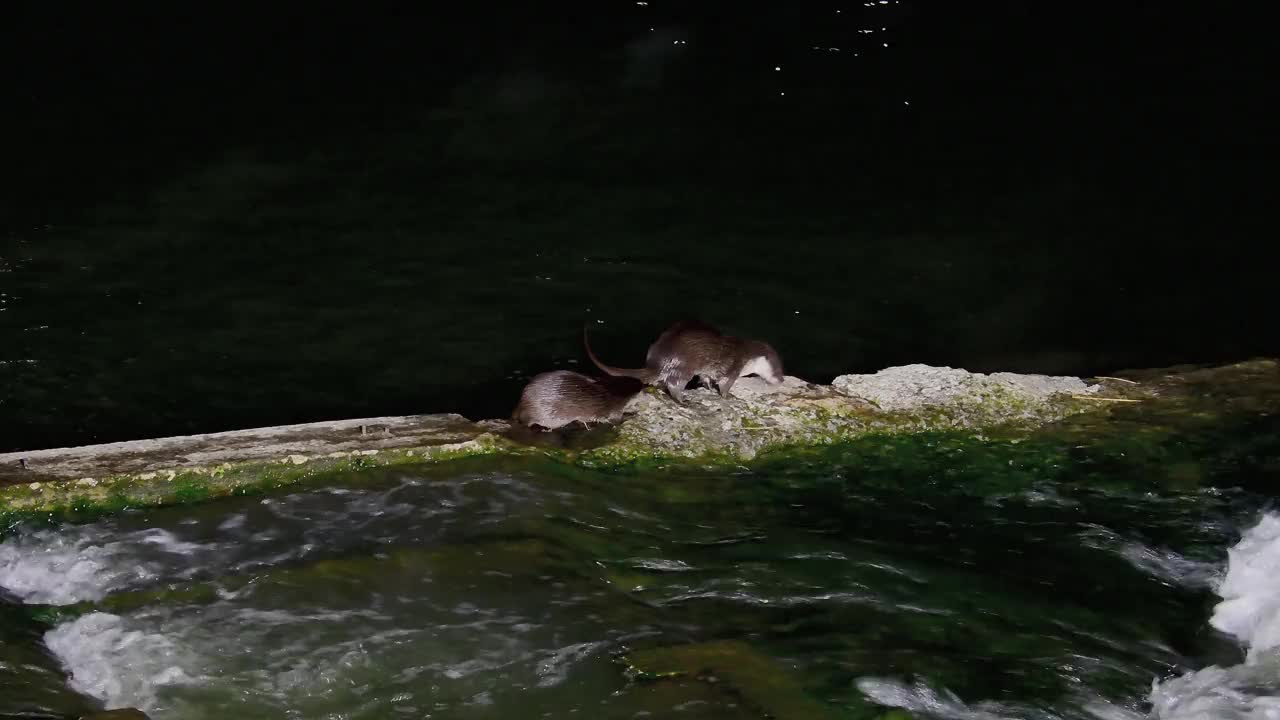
215, 220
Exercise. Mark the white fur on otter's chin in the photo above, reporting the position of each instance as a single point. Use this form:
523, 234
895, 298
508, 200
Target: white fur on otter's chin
762, 367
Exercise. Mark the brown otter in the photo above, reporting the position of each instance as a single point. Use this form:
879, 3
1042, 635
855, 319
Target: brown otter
554, 399
690, 349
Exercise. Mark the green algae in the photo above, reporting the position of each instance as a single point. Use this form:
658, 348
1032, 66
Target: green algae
977, 636
1158, 422
991, 462
88, 498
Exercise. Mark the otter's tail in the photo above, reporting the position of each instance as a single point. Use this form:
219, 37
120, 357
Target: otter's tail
644, 375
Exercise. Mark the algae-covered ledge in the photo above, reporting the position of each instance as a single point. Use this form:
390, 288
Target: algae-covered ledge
758, 419
200, 467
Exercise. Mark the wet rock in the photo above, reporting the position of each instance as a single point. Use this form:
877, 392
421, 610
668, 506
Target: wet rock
913, 387
707, 428
960, 399
290, 444
760, 416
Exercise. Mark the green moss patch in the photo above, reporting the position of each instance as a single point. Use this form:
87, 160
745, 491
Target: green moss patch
86, 498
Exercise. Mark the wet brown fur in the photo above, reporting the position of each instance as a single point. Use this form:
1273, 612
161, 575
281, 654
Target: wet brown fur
555, 399
690, 349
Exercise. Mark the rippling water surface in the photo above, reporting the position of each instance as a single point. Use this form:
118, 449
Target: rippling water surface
480, 590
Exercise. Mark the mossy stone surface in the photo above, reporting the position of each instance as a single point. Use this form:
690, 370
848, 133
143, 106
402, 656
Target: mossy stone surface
1136, 412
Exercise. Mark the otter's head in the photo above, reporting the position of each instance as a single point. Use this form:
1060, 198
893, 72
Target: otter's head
763, 361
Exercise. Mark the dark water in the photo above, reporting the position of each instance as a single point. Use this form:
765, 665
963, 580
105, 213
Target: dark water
213, 222
950, 576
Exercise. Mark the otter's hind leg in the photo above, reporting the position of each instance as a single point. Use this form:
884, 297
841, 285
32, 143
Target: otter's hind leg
675, 383
724, 385
675, 391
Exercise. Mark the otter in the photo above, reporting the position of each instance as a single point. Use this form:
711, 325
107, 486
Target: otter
554, 399
690, 349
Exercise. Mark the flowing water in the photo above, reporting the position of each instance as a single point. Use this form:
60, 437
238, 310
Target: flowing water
950, 577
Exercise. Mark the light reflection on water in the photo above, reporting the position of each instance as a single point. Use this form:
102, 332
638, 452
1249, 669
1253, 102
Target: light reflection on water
508, 594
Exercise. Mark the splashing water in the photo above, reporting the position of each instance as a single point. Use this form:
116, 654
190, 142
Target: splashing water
1249, 611
497, 594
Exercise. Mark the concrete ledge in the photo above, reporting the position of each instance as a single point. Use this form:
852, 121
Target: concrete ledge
213, 450
757, 419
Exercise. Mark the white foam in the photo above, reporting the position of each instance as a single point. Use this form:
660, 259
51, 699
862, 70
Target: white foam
1242, 692
233, 522
922, 699
1250, 607
58, 569
121, 667
1250, 610
1107, 710
661, 565
554, 669
1162, 564
168, 542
